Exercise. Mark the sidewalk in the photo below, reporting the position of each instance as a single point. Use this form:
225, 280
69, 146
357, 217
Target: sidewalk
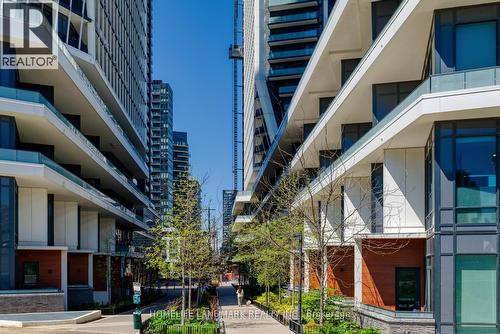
110, 324
246, 319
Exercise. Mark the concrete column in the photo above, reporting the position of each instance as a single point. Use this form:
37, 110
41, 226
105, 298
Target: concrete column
64, 277
358, 272
91, 270
306, 271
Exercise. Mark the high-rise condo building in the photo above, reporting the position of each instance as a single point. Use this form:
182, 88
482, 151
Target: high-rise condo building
228, 197
279, 39
74, 160
395, 122
162, 137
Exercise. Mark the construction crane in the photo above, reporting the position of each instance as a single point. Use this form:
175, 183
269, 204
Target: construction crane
236, 55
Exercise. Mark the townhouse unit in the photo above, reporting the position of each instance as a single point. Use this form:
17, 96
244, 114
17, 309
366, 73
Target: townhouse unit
396, 118
74, 160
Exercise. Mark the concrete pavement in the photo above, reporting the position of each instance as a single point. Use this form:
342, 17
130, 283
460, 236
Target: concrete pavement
247, 319
109, 324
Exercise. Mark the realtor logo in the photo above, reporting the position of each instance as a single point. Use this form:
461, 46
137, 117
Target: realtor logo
29, 36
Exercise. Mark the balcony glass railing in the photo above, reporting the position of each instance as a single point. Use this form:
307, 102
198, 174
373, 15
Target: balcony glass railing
287, 89
100, 102
38, 158
294, 35
434, 84
35, 97
285, 2
293, 17
291, 53
287, 71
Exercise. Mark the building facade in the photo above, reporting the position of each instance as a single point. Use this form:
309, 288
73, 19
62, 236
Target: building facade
397, 115
280, 37
181, 155
74, 161
228, 197
162, 136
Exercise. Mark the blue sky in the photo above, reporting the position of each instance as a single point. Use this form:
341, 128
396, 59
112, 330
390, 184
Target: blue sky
190, 42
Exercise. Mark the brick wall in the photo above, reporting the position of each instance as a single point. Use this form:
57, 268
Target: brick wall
49, 267
395, 326
78, 269
31, 303
380, 260
341, 270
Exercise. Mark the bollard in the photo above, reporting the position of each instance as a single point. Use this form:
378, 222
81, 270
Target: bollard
137, 321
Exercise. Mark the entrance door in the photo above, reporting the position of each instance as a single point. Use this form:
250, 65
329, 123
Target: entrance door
408, 289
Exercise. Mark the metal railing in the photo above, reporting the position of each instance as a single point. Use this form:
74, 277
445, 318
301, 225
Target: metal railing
434, 84
286, 2
293, 17
38, 158
100, 102
35, 97
294, 35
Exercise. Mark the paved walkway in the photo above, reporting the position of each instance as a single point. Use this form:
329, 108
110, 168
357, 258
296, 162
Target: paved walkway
247, 319
109, 324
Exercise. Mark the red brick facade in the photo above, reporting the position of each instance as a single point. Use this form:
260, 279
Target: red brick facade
78, 269
380, 260
49, 267
340, 270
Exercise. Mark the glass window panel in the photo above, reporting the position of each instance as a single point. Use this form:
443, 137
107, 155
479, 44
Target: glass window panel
476, 45
476, 127
476, 330
476, 286
408, 289
477, 216
476, 171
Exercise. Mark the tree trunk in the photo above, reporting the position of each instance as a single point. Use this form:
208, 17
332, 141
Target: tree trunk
322, 288
183, 296
267, 295
190, 294
279, 289
292, 278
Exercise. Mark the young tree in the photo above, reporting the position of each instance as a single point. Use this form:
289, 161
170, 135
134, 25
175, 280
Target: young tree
180, 247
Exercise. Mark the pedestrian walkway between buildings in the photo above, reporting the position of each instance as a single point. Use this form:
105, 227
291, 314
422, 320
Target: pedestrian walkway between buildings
247, 319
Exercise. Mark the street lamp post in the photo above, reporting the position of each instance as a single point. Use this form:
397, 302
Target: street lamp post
299, 311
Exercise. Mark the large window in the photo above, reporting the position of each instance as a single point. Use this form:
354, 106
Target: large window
382, 12
476, 293
351, 133
387, 96
476, 182
476, 45
467, 38
466, 155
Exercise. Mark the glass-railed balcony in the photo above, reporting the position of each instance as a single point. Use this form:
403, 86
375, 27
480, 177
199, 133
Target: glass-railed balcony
434, 84
287, 89
293, 17
108, 115
38, 158
291, 53
287, 2
294, 35
35, 97
275, 72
